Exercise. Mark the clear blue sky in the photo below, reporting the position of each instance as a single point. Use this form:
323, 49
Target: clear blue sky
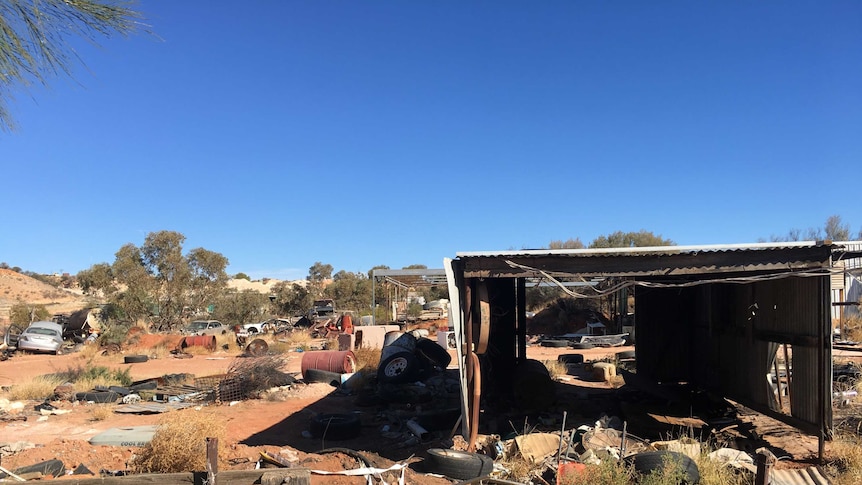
280, 133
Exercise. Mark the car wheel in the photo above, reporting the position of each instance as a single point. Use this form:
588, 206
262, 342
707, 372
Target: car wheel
335, 426
398, 367
252, 330
459, 465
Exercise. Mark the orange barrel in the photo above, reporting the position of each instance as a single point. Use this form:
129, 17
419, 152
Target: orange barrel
338, 361
207, 341
347, 324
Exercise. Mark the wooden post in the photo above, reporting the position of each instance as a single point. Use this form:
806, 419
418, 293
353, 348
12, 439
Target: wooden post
212, 461
764, 461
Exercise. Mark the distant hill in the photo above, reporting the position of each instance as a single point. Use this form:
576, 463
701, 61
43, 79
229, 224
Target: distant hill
16, 287
261, 286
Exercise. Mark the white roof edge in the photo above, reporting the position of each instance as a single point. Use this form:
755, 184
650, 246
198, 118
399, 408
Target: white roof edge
651, 249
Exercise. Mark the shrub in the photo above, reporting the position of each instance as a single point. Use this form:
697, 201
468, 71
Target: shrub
179, 444
555, 369
36, 389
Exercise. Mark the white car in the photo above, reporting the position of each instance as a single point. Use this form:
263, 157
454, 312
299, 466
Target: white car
205, 327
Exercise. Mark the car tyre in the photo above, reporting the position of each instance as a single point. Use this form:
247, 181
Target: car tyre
335, 426
135, 359
570, 358
433, 352
554, 343
626, 354
459, 465
98, 397
581, 345
645, 463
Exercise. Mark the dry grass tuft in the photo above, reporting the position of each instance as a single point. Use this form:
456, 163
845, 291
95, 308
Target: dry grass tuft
367, 359
37, 389
297, 339
716, 473
160, 351
179, 444
225, 340
607, 473
555, 369
846, 464
101, 412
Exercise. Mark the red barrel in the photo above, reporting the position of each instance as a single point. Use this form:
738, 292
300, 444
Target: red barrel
338, 361
207, 341
346, 324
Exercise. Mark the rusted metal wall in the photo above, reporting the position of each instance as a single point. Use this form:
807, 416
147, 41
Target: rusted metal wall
722, 336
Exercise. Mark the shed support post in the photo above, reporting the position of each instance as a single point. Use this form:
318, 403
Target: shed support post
212, 461
764, 461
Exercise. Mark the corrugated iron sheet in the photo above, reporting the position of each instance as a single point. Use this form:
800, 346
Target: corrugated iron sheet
799, 476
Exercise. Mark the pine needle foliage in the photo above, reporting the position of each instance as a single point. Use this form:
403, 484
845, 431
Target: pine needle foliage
35, 39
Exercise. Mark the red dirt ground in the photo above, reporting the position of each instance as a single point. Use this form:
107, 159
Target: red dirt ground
252, 426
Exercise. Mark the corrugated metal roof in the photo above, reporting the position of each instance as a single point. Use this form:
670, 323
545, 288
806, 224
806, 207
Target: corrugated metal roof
648, 251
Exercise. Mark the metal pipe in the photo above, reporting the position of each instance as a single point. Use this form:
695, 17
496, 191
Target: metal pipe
477, 394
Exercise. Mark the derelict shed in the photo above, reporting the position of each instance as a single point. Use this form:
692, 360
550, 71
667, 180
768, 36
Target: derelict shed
714, 317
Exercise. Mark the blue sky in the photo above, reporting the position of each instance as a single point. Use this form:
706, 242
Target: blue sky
281, 133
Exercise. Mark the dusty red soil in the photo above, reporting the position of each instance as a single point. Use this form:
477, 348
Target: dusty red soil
252, 426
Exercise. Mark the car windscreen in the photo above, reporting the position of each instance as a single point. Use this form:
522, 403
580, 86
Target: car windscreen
197, 325
42, 331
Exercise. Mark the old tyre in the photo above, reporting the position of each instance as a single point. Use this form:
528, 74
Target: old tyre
398, 367
335, 426
579, 345
626, 354
459, 465
570, 359
555, 343
645, 463
135, 359
432, 351
99, 397
318, 375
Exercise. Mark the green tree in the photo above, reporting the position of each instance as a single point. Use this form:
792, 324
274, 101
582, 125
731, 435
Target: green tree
318, 274
350, 290
567, 244
621, 239
241, 276
158, 280
415, 266
24, 314
834, 229
291, 298
35, 39
98, 280
247, 306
